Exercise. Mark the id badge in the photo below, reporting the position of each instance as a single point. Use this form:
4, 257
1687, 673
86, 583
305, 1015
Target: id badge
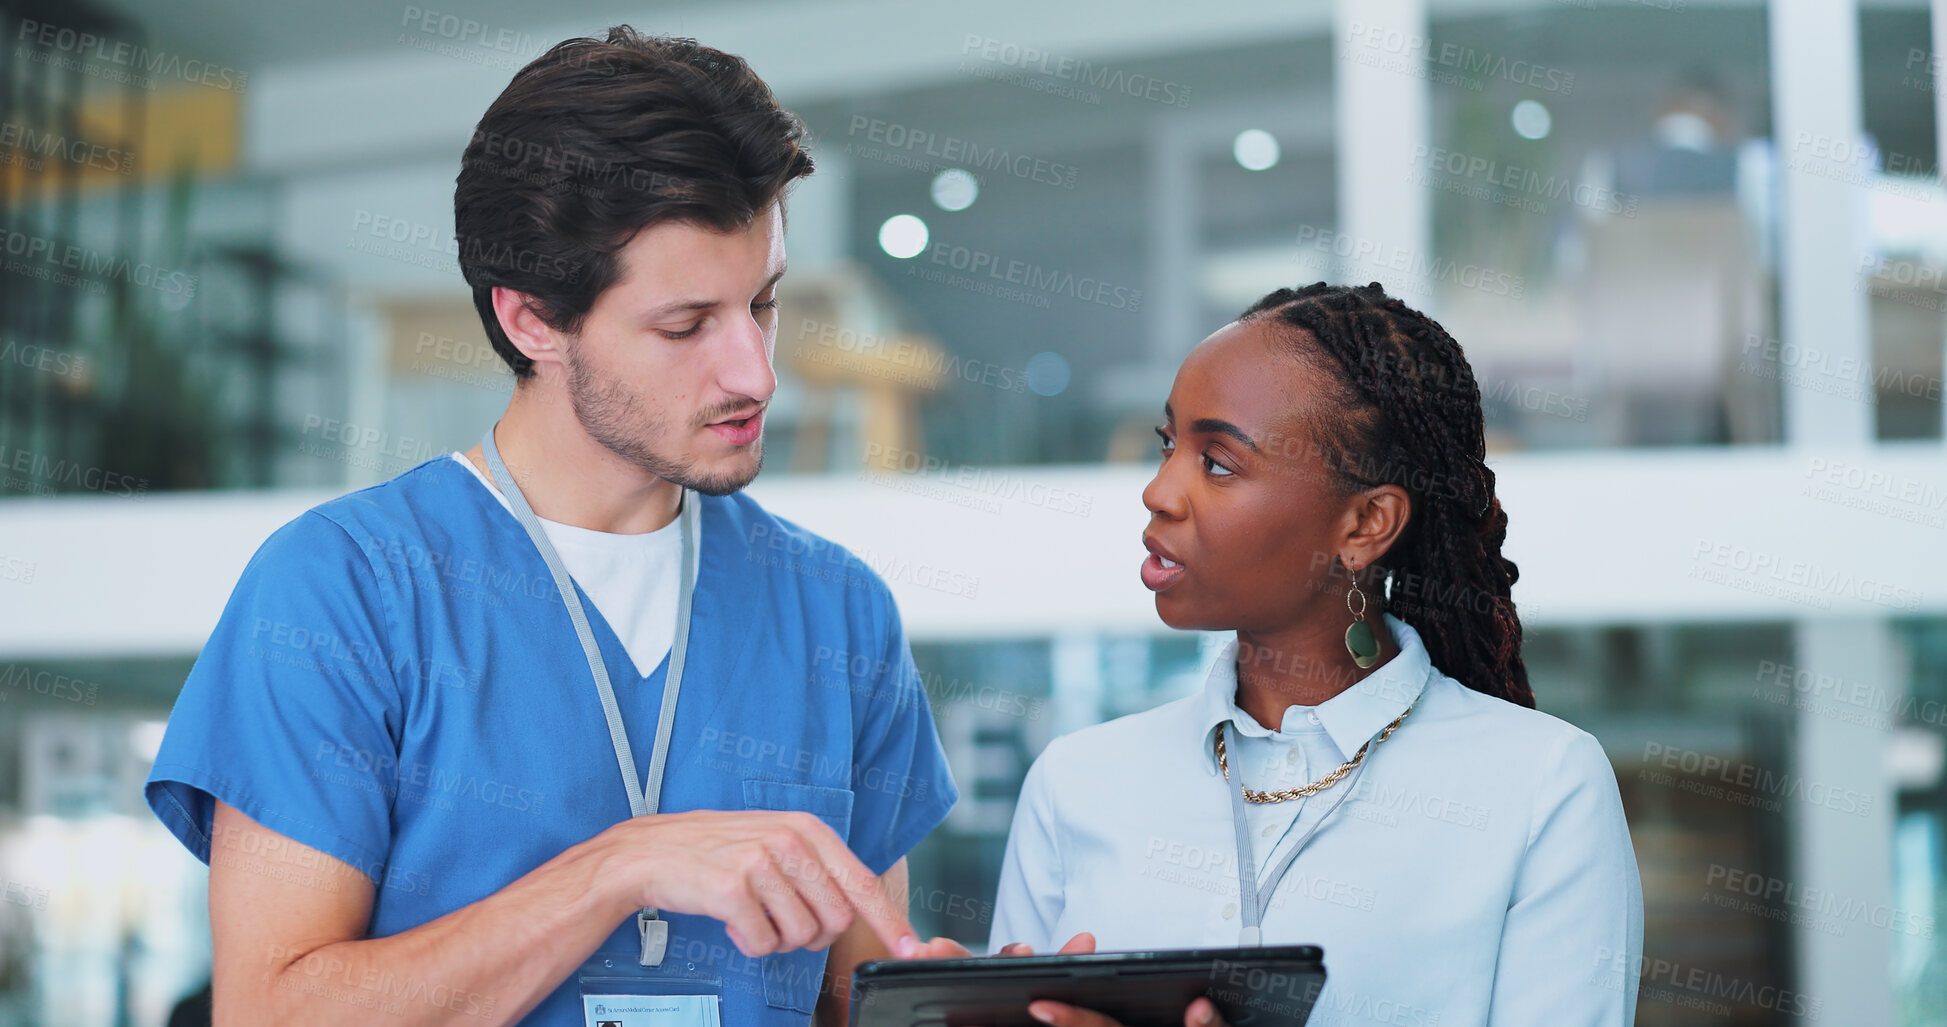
617, 991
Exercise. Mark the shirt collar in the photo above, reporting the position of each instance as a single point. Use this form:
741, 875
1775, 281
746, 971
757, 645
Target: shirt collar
1351, 718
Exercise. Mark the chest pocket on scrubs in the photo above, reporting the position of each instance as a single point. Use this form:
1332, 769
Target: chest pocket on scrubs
792, 980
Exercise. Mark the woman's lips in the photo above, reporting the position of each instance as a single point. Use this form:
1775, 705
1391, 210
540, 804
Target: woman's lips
1160, 574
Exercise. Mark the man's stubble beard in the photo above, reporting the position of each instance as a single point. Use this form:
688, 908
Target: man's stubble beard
614, 416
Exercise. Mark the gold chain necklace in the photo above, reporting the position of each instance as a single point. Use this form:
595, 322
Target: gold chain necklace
1306, 791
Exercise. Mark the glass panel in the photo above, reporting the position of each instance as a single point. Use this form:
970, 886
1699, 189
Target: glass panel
1901, 272
1055, 292
103, 915
1918, 754
1604, 171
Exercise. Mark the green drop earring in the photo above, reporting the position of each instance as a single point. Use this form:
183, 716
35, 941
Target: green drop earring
1359, 639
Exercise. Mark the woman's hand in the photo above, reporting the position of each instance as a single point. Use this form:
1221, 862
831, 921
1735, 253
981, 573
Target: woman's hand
1201, 1013
947, 948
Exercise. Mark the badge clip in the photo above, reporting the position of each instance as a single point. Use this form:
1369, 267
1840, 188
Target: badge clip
655, 937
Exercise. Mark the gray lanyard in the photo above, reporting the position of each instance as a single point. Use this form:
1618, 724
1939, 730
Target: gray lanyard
643, 800
1251, 904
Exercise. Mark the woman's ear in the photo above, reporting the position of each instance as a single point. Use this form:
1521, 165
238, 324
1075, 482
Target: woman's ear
1380, 515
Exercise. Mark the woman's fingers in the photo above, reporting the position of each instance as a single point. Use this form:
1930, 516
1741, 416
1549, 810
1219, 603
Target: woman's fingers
1068, 1016
1202, 1013
1057, 1013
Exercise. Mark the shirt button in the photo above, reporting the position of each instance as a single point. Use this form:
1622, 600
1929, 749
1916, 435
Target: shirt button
1313, 717
1270, 829
1230, 910
1293, 757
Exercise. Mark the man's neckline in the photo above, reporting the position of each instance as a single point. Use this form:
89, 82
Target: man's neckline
560, 532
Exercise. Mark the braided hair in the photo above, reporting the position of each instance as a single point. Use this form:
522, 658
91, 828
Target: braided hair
1407, 411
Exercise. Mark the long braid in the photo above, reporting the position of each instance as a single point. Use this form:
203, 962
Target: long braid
1409, 413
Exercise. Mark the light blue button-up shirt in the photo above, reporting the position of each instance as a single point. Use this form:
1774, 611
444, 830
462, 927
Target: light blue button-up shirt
1478, 871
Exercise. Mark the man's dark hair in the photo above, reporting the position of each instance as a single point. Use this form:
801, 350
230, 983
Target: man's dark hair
595, 141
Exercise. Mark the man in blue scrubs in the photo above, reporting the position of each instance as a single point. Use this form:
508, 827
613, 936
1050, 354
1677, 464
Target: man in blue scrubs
393, 753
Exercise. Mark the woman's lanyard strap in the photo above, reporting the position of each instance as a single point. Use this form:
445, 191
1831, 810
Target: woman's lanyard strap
1251, 903
643, 798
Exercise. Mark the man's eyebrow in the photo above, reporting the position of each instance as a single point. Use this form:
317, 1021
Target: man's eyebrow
1219, 426
679, 306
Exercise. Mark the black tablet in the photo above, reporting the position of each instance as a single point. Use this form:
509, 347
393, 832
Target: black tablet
1272, 986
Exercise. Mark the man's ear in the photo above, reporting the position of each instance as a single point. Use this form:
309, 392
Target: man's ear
524, 327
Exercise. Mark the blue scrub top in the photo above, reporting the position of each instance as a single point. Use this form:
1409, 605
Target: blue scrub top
396, 683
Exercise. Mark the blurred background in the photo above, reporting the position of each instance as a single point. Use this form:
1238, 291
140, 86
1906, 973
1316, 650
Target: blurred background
1694, 251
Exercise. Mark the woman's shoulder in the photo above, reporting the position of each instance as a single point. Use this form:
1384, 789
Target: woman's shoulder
1532, 740
1453, 701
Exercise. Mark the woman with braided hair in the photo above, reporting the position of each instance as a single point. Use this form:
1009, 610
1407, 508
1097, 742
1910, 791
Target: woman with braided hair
1364, 769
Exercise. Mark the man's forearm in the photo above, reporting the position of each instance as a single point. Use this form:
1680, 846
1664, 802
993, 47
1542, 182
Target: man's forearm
287, 952
487, 963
